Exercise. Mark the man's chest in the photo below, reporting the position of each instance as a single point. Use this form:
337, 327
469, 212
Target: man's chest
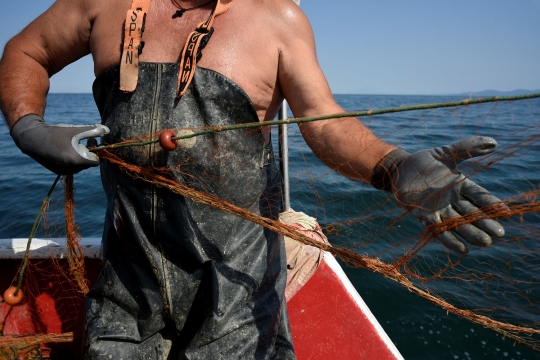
248, 58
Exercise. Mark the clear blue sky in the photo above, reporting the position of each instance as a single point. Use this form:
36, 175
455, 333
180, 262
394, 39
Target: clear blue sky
388, 46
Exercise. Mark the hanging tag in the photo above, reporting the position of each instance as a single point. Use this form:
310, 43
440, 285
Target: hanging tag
129, 64
194, 43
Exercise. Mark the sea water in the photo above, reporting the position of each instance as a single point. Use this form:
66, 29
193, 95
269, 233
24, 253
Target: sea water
419, 329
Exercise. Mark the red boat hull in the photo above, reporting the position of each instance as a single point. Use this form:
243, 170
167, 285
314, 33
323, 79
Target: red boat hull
327, 322
328, 318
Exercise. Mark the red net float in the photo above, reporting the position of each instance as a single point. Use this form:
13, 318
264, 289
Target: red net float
10, 298
166, 141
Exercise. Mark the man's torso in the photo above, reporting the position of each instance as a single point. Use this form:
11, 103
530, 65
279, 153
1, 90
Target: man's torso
245, 46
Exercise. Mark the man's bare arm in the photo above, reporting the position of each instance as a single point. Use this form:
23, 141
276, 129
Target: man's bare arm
349, 147
345, 145
55, 39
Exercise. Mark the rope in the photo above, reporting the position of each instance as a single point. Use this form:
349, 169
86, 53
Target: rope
216, 129
32, 233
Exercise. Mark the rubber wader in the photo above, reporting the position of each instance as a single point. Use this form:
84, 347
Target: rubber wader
182, 280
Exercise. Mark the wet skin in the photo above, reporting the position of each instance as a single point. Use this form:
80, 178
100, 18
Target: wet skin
264, 46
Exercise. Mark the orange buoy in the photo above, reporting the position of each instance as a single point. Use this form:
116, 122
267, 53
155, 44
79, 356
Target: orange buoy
166, 141
10, 298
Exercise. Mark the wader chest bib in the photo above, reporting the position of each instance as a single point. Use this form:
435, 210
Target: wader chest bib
178, 272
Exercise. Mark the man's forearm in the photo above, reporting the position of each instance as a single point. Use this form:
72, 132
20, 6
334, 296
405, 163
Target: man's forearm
24, 84
346, 145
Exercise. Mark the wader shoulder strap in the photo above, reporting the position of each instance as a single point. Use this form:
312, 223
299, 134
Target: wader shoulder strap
133, 31
195, 42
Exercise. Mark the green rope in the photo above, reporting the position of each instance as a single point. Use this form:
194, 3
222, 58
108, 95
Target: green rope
216, 129
32, 233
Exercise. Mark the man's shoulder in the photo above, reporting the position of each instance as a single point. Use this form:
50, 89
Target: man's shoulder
274, 5
283, 16
283, 10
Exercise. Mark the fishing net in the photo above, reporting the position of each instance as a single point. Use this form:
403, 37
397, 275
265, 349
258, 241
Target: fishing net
496, 286
50, 274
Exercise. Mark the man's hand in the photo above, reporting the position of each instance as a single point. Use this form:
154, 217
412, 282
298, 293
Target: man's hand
57, 147
429, 185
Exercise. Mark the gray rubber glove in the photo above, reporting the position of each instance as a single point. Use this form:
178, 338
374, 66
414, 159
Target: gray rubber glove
56, 147
429, 185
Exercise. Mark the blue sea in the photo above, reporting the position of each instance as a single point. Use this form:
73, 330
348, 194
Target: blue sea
364, 217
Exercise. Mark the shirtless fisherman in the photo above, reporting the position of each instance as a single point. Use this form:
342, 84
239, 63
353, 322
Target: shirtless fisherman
181, 278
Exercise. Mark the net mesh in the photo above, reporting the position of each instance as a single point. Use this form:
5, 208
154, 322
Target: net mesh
496, 286
48, 322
